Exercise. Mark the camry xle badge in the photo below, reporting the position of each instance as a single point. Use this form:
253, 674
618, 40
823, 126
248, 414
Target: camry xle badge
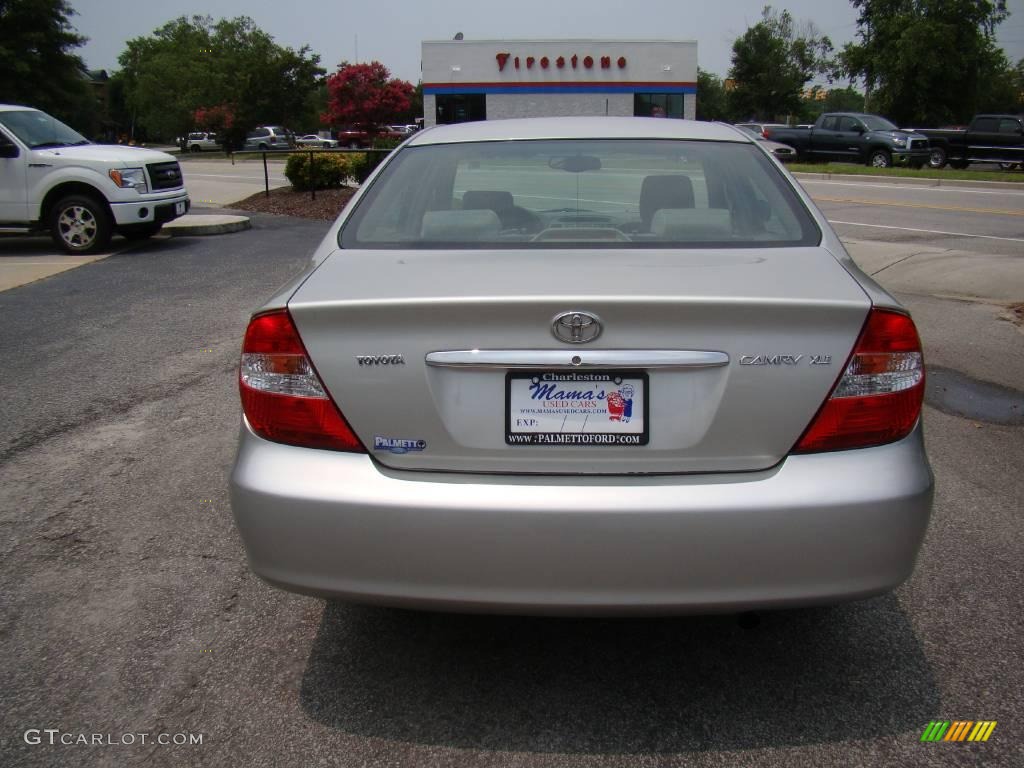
770, 359
380, 360
576, 327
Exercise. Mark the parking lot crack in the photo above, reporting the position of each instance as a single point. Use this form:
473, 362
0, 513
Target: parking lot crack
103, 410
900, 261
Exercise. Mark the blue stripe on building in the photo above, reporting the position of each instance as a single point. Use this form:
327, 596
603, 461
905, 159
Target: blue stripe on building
596, 88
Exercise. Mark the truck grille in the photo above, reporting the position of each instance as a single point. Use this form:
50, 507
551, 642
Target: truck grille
164, 175
918, 143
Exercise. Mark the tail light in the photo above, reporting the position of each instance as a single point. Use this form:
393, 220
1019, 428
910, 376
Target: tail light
878, 398
282, 396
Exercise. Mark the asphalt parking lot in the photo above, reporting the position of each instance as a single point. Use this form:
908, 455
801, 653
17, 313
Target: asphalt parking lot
128, 608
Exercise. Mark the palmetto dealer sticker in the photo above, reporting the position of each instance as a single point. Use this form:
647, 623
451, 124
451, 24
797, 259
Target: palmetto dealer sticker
397, 444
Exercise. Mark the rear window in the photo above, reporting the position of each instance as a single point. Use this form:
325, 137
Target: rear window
580, 193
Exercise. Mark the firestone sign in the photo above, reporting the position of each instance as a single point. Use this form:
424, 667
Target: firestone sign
560, 62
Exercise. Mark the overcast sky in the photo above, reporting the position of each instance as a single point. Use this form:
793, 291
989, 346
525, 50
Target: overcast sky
391, 31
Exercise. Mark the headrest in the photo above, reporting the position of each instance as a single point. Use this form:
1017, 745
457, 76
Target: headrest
475, 199
692, 224
459, 226
674, 191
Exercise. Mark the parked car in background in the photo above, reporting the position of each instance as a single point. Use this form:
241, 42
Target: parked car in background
582, 365
202, 142
857, 138
761, 128
269, 137
783, 152
53, 178
403, 129
987, 139
315, 140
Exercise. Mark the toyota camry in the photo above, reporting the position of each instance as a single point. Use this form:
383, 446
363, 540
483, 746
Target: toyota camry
582, 365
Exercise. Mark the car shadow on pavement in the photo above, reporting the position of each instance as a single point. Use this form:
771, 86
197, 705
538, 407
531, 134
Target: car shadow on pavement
620, 686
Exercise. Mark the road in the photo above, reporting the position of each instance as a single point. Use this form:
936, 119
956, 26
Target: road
127, 606
218, 182
957, 217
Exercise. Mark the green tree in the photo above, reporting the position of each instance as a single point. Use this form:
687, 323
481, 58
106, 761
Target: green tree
821, 100
192, 64
38, 66
926, 62
712, 103
1004, 91
772, 62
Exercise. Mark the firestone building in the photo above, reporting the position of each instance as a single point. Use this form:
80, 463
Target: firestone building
467, 80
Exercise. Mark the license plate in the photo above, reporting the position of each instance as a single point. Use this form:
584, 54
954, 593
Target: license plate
179, 209
576, 408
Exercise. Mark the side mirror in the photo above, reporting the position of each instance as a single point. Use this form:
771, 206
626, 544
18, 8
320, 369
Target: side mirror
9, 150
859, 129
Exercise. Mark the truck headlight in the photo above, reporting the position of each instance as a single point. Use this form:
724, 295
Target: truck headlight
899, 142
129, 178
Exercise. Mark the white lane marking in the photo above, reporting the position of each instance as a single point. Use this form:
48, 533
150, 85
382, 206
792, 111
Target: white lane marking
928, 231
916, 188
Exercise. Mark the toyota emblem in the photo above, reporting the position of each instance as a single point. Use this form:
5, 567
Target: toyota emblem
576, 327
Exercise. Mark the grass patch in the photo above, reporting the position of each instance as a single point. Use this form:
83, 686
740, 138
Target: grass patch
947, 174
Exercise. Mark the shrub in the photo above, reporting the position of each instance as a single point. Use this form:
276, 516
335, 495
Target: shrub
327, 170
368, 162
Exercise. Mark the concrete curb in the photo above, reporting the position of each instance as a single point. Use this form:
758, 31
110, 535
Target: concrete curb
206, 224
1006, 186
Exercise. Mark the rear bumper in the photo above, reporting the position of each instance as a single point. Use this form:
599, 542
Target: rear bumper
815, 529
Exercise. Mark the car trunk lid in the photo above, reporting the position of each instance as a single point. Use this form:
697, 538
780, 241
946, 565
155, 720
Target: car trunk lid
727, 353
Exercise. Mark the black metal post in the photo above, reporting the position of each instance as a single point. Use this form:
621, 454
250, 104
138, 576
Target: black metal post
266, 176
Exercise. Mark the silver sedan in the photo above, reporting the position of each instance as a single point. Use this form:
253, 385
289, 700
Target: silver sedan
783, 152
584, 365
313, 140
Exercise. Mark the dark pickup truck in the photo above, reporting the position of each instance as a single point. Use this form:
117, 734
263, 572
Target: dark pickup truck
988, 139
856, 138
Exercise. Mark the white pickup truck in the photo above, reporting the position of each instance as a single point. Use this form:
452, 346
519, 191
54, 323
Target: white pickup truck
52, 178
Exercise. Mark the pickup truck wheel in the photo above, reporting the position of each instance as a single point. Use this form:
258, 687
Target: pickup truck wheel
1009, 166
196, 148
80, 224
880, 158
353, 145
937, 158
